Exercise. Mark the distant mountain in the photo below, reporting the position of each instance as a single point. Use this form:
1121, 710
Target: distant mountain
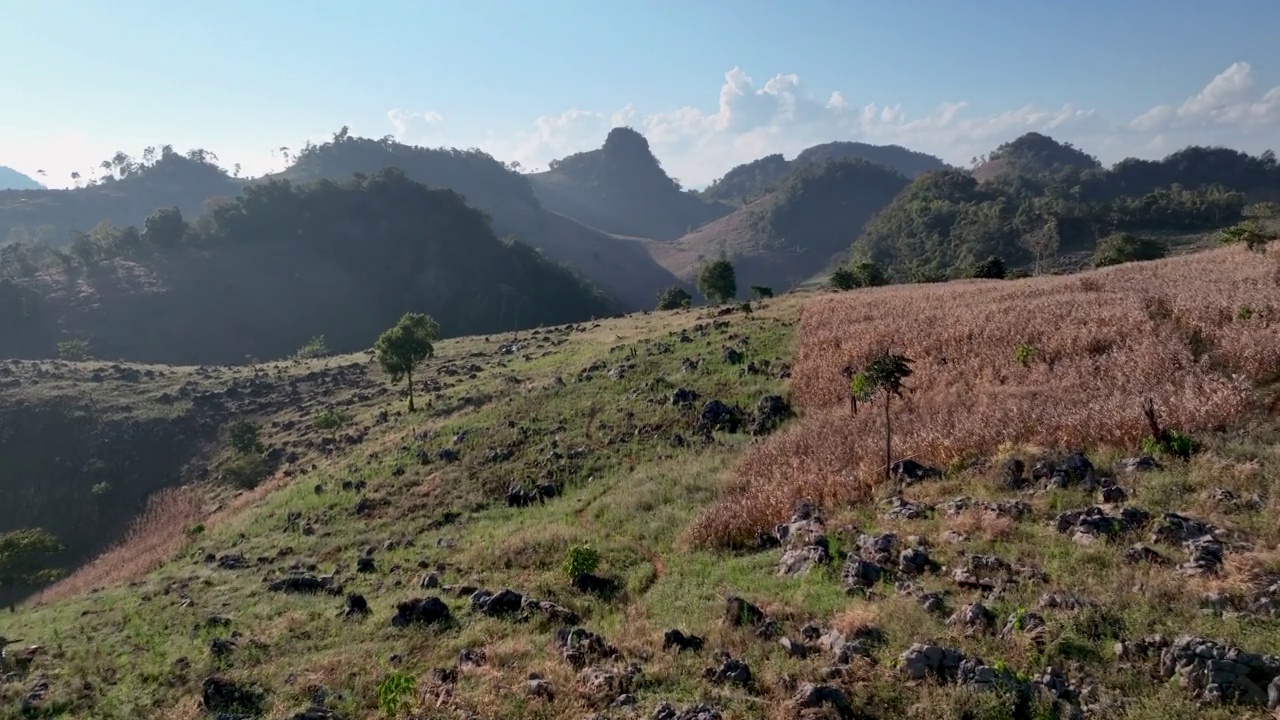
259, 275
755, 179
622, 189
787, 236
1034, 154
11, 179
621, 267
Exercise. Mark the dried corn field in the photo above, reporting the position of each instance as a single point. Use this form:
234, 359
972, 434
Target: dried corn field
1199, 335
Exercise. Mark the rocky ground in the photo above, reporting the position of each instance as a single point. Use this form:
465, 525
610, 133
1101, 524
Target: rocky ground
414, 565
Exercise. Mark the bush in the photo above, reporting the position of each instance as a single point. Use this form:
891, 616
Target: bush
760, 292
246, 471
1126, 247
990, 269
243, 436
843, 279
1249, 233
858, 275
674, 298
73, 349
331, 420
1024, 353
395, 693
718, 282
581, 559
314, 348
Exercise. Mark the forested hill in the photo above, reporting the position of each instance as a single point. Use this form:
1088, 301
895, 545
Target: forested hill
261, 274
621, 188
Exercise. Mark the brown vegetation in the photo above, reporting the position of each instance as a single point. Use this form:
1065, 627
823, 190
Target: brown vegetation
1196, 334
153, 537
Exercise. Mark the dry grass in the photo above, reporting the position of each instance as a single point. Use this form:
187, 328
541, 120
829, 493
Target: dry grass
1174, 331
152, 538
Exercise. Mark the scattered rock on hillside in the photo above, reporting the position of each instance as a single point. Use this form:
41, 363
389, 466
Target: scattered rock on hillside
667, 711
973, 619
771, 411
909, 472
227, 698
356, 606
1205, 556
1140, 553
811, 696
902, 509
420, 611
1216, 673
1174, 529
805, 540
303, 584
536, 687
679, 641
1093, 523
859, 575
730, 671
232, 561
717, 416
579, 645
682, 397
742, 613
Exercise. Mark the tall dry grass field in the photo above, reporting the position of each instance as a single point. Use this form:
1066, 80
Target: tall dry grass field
1197, 334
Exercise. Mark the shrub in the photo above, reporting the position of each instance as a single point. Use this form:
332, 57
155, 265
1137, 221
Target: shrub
843, 279
1250, 233
990, 269
331, 420
314, 348
1126, 247
100, 489
395, 693
760, 292
73, 349
1024, 353
581, 559
245, 472
674, 298
243, 436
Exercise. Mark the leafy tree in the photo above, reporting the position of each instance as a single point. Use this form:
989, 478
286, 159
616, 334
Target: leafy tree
843, 279
717, 281
1251, 233
405, 345
883, 373
314, 348
580, 559
760, 292
990, 269
1126, 247
23, 561
674, 298
164, 228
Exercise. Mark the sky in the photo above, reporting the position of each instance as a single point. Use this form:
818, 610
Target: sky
711, 83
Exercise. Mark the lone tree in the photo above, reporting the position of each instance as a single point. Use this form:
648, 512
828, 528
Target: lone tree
1041, 242
674, 298
23, 563
883, 373
405, 345
717, 281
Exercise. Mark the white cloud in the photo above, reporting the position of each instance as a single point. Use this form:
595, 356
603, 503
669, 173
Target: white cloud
751, 120
432, 116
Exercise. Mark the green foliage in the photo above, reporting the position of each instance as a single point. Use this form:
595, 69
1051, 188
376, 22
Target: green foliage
990, 269
674, 298
245, 471
749, 181
717, 281
314, 348
164, 228
885, 371
408, 343
23, 558
1179, 445
395, 693
195, 530
760, 292
1249, 233
859, 275
1024, 354
1125, 247
243, 436
331, 420
580, 559
76, 349
843, 279
1244, 313
101, 489
1265, 209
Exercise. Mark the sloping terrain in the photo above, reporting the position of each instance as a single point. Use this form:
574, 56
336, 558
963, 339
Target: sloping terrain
784, 238
421, 571
622, 189
1034, 154
11, 179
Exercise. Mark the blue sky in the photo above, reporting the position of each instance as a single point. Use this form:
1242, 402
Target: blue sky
713, 83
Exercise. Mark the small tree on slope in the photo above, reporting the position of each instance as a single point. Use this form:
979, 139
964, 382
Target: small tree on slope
883, 373
718, 282
408, 343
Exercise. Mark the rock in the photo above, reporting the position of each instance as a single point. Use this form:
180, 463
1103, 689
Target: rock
1140, 553
356, 605
909, 472
902, 509
224, 697
878, 548
537, 687
731, 670
420, 611
716, 416
731, 356
1093, 523
596, 585
1205, 559
858, 574
430, 582
317, 712
973, 618
1029, 623
579, 645
811, 696
666, 711
1144, 463
472, 657
1113, 495
504, 602
794, 648
771, 412
739, 612
982, 572
232, 561
921, 660
1062, 601
1175, 529
302, 584
800, 560
684, 396
1216, 673
915, 561
365, 564
681, 642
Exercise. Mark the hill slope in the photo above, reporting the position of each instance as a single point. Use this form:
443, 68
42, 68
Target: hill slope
260, 275
1034, 154
622, 189
11, 179
785, 237
868, 572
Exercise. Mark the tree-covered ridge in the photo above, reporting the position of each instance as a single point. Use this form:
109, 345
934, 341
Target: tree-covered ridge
279, 264
755, 179
1033, 154
621, 188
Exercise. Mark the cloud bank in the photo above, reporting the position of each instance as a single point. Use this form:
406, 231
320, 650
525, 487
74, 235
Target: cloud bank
751, 119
